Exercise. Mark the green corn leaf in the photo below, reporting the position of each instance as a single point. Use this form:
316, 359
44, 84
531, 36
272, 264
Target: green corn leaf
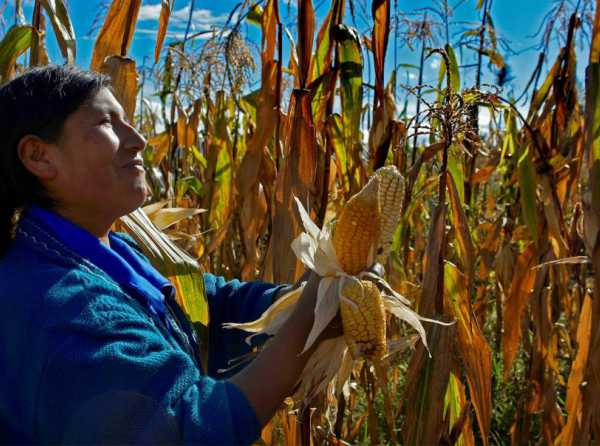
454, 71
255, 15
182, 270
527, 186
593, 121
455, 166
351, 81
16, 41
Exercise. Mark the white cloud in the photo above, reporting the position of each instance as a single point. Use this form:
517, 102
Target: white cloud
200, 17
202, 20
146, 32
151, 33
149, 12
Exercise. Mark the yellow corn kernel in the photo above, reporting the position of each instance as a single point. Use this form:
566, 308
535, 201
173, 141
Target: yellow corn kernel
363, 318
357, 230
391, 194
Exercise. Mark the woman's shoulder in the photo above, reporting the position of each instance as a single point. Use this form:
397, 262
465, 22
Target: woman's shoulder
24, 268
55, 287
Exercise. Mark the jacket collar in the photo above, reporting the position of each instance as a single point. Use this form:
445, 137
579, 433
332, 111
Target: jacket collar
119, 262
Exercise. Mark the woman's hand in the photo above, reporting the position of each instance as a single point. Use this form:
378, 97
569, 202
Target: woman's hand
281, 362
286, 289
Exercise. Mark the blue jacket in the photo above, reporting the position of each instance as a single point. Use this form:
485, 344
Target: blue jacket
82, 362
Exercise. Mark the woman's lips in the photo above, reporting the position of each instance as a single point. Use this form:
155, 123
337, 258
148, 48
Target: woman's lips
136, 164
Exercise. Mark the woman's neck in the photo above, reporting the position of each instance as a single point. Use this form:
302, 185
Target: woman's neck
98, 227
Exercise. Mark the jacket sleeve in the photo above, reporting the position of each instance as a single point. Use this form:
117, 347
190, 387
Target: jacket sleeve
228, 301
112, 377
233, 301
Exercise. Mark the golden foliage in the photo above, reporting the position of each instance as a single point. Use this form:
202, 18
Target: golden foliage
499, 226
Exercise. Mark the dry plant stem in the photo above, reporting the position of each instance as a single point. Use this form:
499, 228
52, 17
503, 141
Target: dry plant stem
380, 374
278, 153
368, 383
339, 419
439, 295
173, 125
284, 351
322, 210
37, 22
474, 115
559, 81
481, 42
419, 87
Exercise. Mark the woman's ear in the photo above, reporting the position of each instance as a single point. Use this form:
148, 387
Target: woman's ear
36, 156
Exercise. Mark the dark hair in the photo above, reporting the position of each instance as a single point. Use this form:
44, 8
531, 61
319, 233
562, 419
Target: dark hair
36, 103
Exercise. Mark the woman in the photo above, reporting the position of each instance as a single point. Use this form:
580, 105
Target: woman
92, 346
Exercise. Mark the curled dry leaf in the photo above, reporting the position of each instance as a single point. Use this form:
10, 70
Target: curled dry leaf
124, 80
117, 32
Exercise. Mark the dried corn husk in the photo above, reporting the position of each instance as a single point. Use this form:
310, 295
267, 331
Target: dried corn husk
315, 249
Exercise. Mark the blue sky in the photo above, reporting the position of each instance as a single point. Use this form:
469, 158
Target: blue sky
515, 20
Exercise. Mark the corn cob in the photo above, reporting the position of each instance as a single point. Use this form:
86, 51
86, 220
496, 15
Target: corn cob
358, 229
363, 318
391, 191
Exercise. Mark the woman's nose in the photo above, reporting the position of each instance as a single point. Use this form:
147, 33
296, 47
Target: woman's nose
135, 140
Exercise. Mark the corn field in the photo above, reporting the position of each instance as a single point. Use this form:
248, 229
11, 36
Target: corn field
500, 223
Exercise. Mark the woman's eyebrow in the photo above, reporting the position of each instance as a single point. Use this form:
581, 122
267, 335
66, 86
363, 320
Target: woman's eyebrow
119, 113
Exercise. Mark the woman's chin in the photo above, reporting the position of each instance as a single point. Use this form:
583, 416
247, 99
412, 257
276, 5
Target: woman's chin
142, 194
137, 198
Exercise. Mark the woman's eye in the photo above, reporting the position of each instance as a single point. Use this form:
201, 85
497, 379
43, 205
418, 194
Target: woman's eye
105, 121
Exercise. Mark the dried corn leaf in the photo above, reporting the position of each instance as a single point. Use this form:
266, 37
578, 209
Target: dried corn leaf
381, 31
163, 21
117, 32
590, 419
124, 80
164, 218
160, 143
298, 177
427, 381
472, 347
306, 30
461, 228
456, 409
520, 290
380, 135
431, 301
58, 14
38, 55
574, 404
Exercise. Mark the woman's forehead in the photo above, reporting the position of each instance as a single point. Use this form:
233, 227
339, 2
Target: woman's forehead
103, 101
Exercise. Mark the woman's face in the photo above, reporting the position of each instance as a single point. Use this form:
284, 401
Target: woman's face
99, 165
